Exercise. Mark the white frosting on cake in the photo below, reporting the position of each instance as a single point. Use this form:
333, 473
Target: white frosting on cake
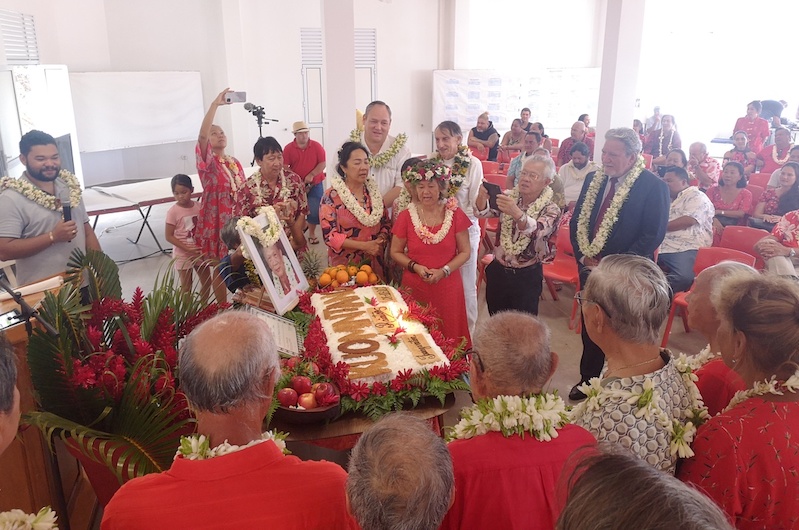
359, 323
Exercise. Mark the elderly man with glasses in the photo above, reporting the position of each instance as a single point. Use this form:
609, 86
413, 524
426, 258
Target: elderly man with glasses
510, 447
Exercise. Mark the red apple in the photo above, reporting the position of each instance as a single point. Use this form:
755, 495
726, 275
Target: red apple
293, 362
301, 384
307, 401
323, 389
287, 397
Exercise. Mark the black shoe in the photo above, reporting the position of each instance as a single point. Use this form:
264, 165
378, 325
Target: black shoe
575, 394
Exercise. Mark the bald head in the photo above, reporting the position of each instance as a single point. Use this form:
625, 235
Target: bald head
512, 355
701, 312
225, 361
578, 131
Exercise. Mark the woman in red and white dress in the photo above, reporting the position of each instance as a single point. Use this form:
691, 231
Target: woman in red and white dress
224, 193
435, 232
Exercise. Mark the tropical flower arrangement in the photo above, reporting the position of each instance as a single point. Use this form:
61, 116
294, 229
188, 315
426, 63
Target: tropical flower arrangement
107, 384
460, 168
405, 389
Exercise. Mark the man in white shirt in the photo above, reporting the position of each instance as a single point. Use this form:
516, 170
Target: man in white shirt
573, 173
690, 227
386, 152
793, 156
532, 141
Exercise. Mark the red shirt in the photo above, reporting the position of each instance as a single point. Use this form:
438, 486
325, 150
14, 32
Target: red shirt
510, 483
746, 460
756, 130
256, 487
566, 145
718, 384
767, 155
302, 161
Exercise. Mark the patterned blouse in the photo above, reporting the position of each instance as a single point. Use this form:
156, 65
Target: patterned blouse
261, 195
539, 230
787, 229
615, 420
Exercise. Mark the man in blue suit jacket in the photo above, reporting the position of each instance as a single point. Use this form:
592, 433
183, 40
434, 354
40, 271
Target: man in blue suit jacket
635, 226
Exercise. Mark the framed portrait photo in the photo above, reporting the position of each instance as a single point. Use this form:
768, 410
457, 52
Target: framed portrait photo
278, 268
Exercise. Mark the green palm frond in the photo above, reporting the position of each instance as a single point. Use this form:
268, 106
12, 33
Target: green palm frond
51, 358
100, 270
167, 294
145, 432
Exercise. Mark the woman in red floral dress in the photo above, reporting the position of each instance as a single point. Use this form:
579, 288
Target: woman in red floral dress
746, 458
224, 192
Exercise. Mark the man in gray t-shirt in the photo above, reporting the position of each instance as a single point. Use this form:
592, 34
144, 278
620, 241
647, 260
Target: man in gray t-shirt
32, 229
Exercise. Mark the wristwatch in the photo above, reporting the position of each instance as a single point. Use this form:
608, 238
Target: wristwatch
792, 253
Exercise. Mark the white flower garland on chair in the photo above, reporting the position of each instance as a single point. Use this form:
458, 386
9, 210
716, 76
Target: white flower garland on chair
515, 248
590, 248
351, 203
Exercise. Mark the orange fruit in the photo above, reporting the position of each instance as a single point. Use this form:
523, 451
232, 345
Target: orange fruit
352, 270
325, 279
366, 268
361, 278
335, 284
342, 276
373, 278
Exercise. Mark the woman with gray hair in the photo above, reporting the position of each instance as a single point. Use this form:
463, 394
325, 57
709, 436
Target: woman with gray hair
528, 217
642, 400
746, 457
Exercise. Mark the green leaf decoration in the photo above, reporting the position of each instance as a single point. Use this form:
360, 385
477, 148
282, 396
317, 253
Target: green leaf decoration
100, 271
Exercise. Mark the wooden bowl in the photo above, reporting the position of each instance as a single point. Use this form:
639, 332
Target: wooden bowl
303, 416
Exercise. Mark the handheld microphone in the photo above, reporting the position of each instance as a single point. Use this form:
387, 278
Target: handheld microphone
67, 208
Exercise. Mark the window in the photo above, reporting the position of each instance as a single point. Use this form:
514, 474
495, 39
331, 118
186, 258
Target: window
19, 38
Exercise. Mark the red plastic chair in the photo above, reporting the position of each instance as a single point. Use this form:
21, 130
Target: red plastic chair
756, 192
743, 238
647, 160
479, 155
490, 167
555, 142
759, 179
554, 152
705, 257
564, 269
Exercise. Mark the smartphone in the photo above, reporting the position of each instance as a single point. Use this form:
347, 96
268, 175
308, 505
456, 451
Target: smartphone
235, 97
493, 190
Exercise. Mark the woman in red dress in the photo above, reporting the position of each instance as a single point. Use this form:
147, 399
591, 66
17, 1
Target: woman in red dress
224, 193
731, 199
746, 458
436, 235
741, 153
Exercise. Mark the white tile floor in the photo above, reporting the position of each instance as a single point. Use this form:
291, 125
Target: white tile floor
137, 269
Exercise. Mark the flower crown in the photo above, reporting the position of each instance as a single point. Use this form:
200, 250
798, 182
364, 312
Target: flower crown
427, 170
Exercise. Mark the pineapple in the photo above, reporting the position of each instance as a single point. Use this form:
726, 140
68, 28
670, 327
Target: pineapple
312, 266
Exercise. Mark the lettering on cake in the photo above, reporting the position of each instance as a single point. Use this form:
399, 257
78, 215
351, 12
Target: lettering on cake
419, 348
358, 347
383, 294
369, 368
382, 319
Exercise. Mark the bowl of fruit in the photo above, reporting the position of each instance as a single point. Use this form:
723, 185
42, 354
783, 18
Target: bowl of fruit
304, 396
347, 275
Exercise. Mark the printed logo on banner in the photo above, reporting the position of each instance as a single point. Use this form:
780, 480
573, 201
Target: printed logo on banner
473, 107
473, 94
495, 81
452, 94
474, 82
453, 81
495, 94
451, 107
493, 106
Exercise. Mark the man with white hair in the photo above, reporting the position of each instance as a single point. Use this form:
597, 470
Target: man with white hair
507, 477
400, 476
232, 476
386, 152
623, 209
702, 167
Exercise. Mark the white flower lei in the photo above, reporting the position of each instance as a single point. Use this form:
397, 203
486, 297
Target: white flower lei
506, 239
230, 165
254, 182
381, 159
768, 386
540, 415
34, 193
695, 362
403, 201
351, 203
424, 233
460, 168
781, 161
266, 236
44, 519
197, 447
681, 432
590, 248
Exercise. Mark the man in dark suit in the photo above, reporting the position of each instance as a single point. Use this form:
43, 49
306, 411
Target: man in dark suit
637, 228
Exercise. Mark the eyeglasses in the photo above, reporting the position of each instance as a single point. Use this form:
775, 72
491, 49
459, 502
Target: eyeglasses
581, 300
473, 357
529, 174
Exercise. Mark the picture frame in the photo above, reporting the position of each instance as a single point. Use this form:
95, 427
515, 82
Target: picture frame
278, 268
